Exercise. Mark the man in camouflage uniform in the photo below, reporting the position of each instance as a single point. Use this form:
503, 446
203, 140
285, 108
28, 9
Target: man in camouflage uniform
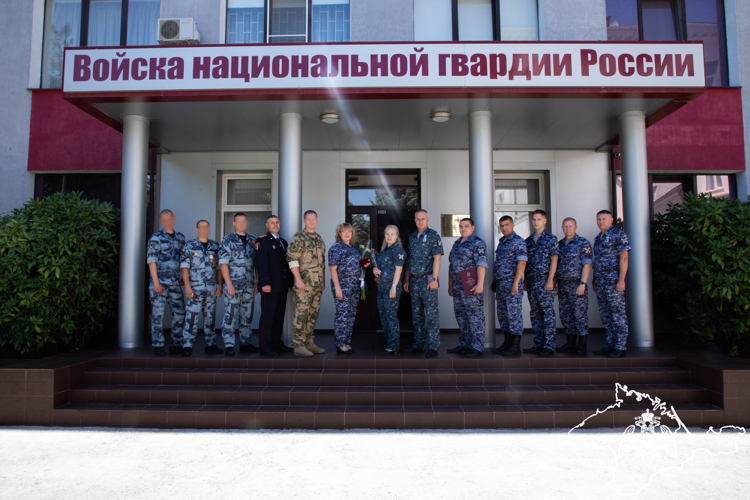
199, 262
307, 258
237, 262
540, 283
163, 258
573, 270
468, 252
510, 264
422, 272
611, 248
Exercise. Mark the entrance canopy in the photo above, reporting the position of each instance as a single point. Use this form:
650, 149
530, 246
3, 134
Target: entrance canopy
229, 97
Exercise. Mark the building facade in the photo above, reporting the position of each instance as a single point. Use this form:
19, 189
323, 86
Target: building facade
447, 137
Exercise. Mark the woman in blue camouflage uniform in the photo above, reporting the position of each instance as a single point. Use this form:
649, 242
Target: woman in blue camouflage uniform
390, 264
343, 262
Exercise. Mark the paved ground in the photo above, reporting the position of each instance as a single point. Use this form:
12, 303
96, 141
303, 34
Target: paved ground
103, 463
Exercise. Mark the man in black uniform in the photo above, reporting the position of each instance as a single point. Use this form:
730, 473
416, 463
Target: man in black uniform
274, 279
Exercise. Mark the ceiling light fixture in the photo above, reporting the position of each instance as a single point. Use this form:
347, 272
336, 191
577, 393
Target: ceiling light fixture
330, 117
440, 116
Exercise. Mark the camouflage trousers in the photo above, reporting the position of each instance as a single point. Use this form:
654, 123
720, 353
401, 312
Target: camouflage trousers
424, 313
574, 309
388, 312
346, 311
205, 304
173, 295
509, 307
243, 303
306, 311
470, 317
612, 310
542, 314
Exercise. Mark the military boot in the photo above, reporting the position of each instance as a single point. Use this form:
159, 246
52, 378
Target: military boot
570, 344
508, 341
581, 347
313, 348
300, 350
515, 347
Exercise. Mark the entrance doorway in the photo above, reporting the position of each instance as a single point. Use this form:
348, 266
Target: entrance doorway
375, 199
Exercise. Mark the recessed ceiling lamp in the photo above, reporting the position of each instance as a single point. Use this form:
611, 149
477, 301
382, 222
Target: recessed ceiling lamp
440, 116
330, 117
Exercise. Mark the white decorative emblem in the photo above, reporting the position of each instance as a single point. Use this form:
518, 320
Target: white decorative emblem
647, 421
400, 256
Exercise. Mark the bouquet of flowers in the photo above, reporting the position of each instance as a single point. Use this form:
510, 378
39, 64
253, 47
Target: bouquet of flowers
367, 252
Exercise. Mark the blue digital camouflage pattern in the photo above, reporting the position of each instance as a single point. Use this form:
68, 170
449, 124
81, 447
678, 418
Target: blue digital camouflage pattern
541, 301
164, 250
203, 265
574, 309
240, 258
510, 250
469, 310
346, 259
388, 260
607, 250
424, 302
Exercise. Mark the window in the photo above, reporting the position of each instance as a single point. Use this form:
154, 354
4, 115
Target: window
383, 189
330, 21
518, 195
102, 187
249, 194
445, 20
246, 21
288, 21
94, 23
674, 20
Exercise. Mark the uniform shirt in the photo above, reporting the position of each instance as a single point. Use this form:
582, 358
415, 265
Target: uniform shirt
510, 250
164, 250
540, 252
388, 260
308, 252
467, 255
240, 257
422, 251
607, 250
346, 259
202, 262
573, 255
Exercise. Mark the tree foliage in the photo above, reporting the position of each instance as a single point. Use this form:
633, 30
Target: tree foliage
701, 268
58, 272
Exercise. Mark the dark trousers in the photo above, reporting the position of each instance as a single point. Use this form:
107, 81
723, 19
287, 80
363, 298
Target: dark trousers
272, 310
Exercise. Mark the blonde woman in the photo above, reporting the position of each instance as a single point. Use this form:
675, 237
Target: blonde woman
391, 262
343, 261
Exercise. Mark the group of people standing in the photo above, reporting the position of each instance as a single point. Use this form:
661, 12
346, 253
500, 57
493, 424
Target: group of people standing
242, 266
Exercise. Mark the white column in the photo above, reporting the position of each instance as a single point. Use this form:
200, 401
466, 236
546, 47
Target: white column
133, 229
481, 204
290, 189
636, 200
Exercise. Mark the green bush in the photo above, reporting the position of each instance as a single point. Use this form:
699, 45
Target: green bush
701, 269
58, 272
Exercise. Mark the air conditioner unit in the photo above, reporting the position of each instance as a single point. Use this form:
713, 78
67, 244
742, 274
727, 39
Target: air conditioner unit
178, 31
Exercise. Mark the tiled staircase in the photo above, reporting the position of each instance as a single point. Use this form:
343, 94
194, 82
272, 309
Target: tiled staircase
384, 393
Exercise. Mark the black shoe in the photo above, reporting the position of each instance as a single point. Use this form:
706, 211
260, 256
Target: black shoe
413, 349
604, 350
159, 351
175, 349
187, 351
472, 353
386, 351
536, 348
268, 352
229, 351
248, 349
212, 349
431, 353
508, 341
340, 351
283, 348
581, 346
616, 353
352, 349
545, 351
570, 344
459, 349
515, 347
